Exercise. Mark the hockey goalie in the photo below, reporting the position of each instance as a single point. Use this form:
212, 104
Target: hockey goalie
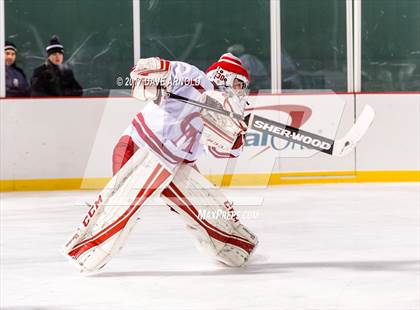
155, 156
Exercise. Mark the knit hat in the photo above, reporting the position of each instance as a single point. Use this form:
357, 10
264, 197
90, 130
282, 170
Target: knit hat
54, 46
9, 46
230, 63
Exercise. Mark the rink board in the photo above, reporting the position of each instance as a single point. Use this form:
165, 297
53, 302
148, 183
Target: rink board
61, 143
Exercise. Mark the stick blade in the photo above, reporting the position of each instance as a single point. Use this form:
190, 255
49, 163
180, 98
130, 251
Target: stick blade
347, 143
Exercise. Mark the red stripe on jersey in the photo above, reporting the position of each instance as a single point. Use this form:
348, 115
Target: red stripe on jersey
155, 147
153, 141
199, 88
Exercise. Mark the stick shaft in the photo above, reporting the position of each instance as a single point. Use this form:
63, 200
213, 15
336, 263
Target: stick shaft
286, 132
204, 106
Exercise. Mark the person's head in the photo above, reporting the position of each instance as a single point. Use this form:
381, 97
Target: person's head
55, 51
229, 73
9, 53
236, 49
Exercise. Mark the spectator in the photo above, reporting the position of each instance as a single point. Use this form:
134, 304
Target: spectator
290, 76
255, 67
16, 83
54, 78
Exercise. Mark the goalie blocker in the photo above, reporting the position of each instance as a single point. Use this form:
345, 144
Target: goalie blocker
221, 131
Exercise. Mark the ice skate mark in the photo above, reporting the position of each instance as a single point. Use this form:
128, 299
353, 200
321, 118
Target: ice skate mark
408, 266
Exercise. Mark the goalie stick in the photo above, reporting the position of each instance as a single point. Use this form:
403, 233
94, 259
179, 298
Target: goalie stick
206, 106
338, 147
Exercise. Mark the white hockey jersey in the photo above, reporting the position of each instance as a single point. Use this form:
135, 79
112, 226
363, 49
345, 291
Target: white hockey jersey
172, 129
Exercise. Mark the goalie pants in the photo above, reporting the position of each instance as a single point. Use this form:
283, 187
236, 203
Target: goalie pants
191, 196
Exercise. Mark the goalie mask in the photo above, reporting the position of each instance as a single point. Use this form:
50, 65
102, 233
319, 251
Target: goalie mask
229, 74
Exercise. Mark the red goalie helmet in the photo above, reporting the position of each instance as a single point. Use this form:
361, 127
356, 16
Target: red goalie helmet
224, 72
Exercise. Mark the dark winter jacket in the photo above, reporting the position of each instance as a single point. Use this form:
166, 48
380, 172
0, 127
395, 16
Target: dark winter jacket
16, 83
52, 80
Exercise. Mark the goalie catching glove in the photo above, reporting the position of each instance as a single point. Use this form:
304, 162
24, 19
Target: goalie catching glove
221, 131
149, 77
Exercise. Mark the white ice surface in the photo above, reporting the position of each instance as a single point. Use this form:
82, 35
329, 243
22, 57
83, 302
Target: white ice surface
321, 247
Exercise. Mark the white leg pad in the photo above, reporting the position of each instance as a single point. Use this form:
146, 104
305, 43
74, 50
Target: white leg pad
201, 204
109, 221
